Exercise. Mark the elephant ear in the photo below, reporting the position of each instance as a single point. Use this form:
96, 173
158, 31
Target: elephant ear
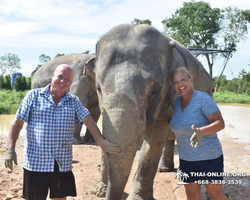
178, 57
90, 68
157, 103
183, 57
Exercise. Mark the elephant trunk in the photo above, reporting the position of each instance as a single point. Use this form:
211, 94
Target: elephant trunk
166, 163
121, 125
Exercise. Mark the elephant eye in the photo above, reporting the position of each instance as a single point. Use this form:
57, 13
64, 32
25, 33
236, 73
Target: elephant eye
80, 76
152, 95
154, 92
99, 90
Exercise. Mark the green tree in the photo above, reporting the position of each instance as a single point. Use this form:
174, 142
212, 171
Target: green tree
59, 54
199, 25
86, 52
1, 82
196, 24
34, 71
7, 82
9, 63
233, 85
28, 80
43, 59
221, 84
18, 83
139, 21
234, 27
23, 83
234, 30
244, 82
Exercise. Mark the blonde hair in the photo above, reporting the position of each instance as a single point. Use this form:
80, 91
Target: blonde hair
183, 70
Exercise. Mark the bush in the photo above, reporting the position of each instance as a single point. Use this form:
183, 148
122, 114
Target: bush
14, 108
10, 101
230, 97
247, 92
4, 108
7, 82
18, 83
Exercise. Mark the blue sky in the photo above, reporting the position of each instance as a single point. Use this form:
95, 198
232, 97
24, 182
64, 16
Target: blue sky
29, 28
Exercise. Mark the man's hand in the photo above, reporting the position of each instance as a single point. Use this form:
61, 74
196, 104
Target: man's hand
10, 157
110, 147
195, 137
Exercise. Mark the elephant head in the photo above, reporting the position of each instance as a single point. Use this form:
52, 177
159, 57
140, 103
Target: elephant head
83, 84
136, 100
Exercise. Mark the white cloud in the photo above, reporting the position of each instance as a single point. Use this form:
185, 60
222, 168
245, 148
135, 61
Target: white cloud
48, 41
20, 28
242, 4
78, 24
77, 17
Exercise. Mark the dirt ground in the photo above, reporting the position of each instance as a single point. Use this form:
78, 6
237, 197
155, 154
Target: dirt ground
86, 160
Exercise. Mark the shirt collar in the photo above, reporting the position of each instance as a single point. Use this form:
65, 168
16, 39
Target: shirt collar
45, 91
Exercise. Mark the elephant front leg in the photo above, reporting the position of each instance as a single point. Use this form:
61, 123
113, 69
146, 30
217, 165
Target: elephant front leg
113, 175
77, 134
88, 137
118, 172
103, 176
142, 187
166, 163
95, 113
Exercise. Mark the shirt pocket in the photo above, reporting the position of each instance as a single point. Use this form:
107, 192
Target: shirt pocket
68, 119
38, 113
68, 113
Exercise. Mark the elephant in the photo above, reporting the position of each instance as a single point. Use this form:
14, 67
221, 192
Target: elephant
83, 84
83, 87
136, 100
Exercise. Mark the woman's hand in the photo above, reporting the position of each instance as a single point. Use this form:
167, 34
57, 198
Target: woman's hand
195, 138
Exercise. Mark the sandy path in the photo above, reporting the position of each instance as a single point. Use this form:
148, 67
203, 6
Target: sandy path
86, 159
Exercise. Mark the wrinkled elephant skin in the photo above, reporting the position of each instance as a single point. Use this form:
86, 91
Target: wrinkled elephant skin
134, 64
83, 84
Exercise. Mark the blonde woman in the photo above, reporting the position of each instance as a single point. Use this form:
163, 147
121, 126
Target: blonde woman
199, 148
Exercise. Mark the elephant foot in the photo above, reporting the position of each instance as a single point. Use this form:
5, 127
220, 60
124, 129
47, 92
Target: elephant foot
101, 190
165, 169
138, 197
78, 140
88, 139
137, 192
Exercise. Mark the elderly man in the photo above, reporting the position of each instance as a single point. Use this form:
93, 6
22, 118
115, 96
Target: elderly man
50, 114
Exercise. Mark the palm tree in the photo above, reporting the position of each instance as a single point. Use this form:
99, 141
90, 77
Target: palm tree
185, 176
178, 174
